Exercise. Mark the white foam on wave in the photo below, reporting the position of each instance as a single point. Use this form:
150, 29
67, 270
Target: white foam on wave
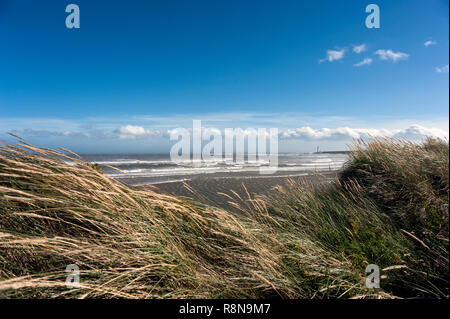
148, 170
211, 170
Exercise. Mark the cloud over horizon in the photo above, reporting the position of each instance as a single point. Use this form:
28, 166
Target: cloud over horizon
298, 132
134, 131
304, 133
412, 133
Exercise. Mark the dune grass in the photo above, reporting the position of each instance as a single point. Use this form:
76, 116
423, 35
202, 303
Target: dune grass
389, 208
410, 185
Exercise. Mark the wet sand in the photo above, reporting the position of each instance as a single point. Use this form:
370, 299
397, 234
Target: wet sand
206, 188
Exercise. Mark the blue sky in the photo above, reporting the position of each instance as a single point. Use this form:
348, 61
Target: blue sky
136, 69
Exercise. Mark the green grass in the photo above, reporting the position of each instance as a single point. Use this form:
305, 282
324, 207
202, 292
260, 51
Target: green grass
389, 207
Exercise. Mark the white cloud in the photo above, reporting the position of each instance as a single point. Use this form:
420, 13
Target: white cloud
418, 132
429, 42
308, 133
299, 132
412, 133
366, 61
134, 131
333, 55
444, 69
209, 131
359, 48
390, 55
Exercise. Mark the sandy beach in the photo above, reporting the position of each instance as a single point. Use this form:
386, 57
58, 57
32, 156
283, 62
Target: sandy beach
207, 189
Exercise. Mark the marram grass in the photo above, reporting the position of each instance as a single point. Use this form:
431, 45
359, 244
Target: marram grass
389, 208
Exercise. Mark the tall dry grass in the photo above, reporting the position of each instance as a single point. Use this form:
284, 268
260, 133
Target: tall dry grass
128, 242
304, 242
57, 210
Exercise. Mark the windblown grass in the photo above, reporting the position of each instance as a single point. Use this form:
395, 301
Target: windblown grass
305, 242
410, 185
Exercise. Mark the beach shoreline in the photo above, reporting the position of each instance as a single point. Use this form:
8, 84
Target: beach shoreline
210, 189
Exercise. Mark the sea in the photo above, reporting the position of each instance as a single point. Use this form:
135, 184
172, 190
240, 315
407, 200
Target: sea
142, 169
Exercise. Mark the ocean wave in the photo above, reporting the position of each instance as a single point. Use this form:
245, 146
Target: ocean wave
139, 173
